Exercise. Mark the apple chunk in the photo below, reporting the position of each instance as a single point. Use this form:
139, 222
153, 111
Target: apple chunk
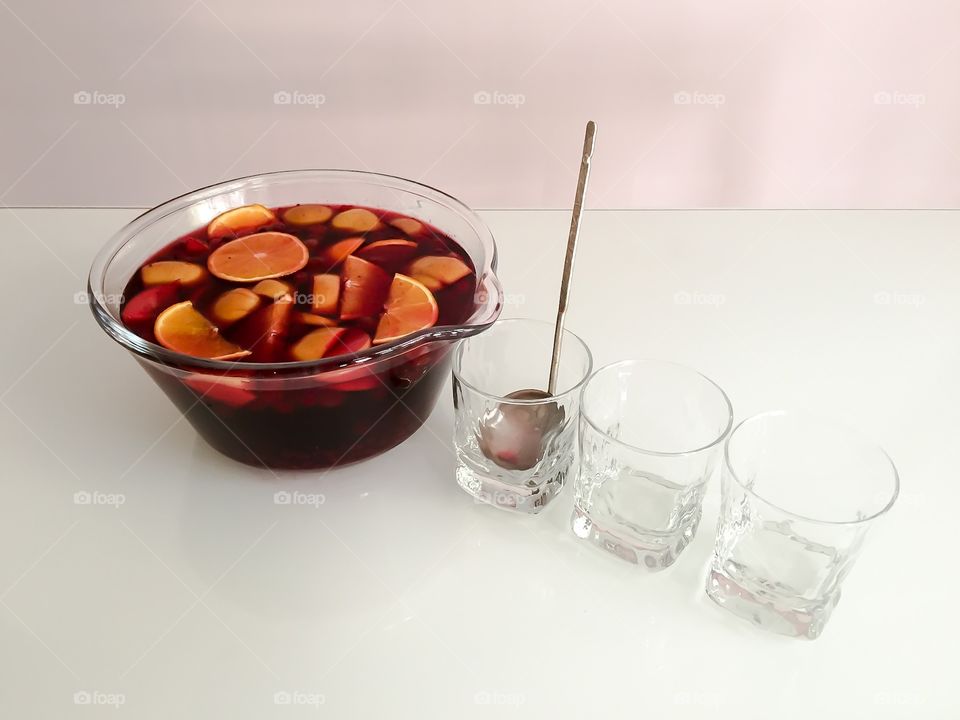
358, 220
340, 251
168, 271
308, 318
303, 215
365, 288
408, 225
442, 269
272, 289
327, 342
391, 252
264, 332
232, 391
142, 309
326, 294
233, 305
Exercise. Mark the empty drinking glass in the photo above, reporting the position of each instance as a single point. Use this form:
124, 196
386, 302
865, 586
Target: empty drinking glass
515, 452
799, 494
650, 438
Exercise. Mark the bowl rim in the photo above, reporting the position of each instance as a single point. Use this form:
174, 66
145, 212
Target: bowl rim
488, 284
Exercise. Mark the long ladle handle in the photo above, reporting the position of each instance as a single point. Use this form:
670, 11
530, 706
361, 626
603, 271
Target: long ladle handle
588, 140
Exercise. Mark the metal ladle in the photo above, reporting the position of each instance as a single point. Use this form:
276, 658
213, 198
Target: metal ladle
514, 436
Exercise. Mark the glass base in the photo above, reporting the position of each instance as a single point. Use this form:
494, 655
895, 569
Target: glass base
530, 496
790, 616
651, 552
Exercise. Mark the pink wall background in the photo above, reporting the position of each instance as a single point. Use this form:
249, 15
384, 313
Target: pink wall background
749, 103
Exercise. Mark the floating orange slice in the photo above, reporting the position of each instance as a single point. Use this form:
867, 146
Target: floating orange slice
326, 294
168, 271
444, 269
241, 219
408, 225
273, 289
258, 257
303, 215
358, 220
181, 328
410, 307
234, 305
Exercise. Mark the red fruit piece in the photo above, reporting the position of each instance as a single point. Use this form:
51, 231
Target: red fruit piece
227, 390
144, 307
351, 379
389, 253
329, 341
264, 332
353, 340
365, 288
194, 247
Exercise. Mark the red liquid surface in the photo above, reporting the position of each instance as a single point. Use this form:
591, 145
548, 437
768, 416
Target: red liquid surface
337, 417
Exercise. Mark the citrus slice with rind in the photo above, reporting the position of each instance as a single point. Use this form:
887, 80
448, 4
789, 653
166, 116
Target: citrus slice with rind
409, 307
258, 257
240, 219
183, 329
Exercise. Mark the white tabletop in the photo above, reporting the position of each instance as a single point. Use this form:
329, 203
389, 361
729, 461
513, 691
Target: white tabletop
198, 596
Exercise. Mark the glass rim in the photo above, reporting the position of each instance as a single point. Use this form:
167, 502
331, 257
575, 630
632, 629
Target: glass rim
483, 316
458, 359
836, 424
658, 453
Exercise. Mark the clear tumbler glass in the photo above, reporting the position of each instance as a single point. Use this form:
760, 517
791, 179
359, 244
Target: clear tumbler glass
516, 452
650, 438
799, 494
